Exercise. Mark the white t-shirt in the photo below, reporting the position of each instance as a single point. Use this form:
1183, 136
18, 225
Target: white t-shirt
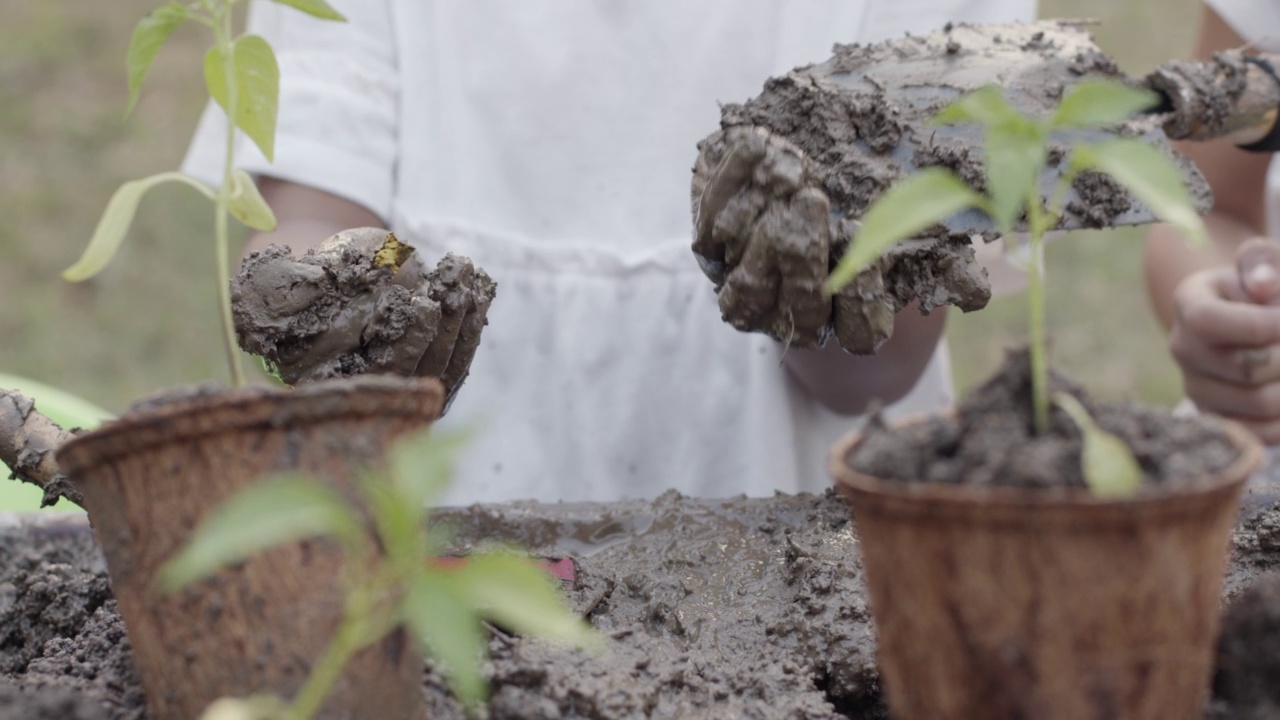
552, 142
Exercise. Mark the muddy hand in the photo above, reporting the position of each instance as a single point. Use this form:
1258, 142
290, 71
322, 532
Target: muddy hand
763, 235
361, 303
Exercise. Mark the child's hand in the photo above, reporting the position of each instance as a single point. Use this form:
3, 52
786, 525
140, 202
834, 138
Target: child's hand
1226, 338
354, 305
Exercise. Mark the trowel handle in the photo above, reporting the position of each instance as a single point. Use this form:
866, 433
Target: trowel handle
1235, 97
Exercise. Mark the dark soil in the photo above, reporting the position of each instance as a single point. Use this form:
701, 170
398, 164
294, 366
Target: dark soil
717, 609
991, 440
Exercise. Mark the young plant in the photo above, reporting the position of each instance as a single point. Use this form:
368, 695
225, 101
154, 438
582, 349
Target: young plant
443, 604
243, 78
1016, 150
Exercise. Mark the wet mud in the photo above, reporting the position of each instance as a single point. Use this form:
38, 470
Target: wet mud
715, 608
361, 303
841, 132
991, 439
1228, 97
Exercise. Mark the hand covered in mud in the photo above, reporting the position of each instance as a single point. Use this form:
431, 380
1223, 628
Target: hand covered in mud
1225, 337
361, 303
767, 236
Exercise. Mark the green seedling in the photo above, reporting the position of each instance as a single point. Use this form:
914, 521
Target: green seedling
243, 78
444, 606
1016, 150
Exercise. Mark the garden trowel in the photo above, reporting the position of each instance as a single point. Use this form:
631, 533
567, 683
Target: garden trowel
890, 91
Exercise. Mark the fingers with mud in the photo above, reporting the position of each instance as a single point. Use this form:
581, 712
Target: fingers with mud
464, 294
762, 235
28, 441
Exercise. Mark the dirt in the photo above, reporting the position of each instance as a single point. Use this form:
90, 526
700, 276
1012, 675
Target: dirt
1204, 100
361, 302
738, 608
991, 439
716, 609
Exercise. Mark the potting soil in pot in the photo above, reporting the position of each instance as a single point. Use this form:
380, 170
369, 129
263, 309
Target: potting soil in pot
991, 440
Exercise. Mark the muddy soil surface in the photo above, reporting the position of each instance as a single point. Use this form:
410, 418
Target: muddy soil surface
991, 440
717, 609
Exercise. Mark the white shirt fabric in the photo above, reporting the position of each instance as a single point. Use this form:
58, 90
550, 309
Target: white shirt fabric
552, 143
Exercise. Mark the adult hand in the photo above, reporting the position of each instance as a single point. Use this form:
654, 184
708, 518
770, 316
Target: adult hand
767, 236
1225, 337
361, 302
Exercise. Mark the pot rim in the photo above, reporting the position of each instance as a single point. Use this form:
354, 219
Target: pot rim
1227, 479
217, 410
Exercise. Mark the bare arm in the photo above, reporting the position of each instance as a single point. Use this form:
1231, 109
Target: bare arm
848, 384
306, 216
1238, 179
1220, 304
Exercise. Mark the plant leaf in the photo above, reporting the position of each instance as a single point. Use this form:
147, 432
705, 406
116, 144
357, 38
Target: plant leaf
921, 200
60, 406
515, 593
1015, 152
247, 205
985, 106
1151, 176
149, 36
438, 612
257, 81
1101, 103
115, 221
315, 8
422, 464
399, 522
1110, 469
279, 510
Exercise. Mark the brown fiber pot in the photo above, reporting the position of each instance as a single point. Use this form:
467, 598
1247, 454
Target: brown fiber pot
1004, 603
149, 479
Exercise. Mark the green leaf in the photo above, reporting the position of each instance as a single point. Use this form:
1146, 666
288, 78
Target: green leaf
246, 203
60, 406
438, 612
257, 87
149, 36
921, 200
422, 464
1151, 176
985, 106
1101, 103
1016, 151
279, 510
515, 593
315, 8
115, 221
399, 521
1110, 470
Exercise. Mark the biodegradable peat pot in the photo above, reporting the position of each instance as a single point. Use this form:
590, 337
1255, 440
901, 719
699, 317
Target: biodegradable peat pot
1009, 602
149, 479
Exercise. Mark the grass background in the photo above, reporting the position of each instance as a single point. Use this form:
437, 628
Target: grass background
147, 322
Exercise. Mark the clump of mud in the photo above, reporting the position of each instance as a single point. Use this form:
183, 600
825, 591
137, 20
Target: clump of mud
361, 303
991, 440
1247, 681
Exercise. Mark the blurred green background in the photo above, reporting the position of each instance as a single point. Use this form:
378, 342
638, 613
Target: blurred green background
148, 322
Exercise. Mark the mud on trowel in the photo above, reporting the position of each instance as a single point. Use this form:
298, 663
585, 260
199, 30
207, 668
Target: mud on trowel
862, 120
890, 91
